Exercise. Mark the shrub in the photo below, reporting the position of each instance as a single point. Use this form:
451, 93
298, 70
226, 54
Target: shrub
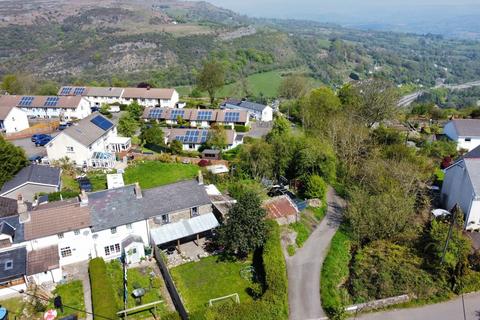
241, 128
302, 233
56, 196
315, 187
103, 297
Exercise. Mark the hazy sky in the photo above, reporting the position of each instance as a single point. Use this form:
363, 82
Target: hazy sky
355, 11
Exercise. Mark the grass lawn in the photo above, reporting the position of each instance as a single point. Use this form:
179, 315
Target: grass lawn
15, 306
137, 278
72, 295
69, 183
209, 278
98, 180
152, 174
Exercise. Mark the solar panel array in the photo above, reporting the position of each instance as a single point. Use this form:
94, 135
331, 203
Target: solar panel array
79, 91
25, 101
232, 117
102, 123
66, 91
51, 102
204, 115
155, 113
177, 113
204, 136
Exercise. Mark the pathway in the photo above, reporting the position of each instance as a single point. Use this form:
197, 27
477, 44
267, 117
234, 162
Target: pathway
305, 266
449, 310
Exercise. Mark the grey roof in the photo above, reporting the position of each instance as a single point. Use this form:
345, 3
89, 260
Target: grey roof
473, 169
131, 239
14, 222
18, 257
104, 92
252, 106
85, 131
474, 154
7, 228
34, 174
116, 207
467, 127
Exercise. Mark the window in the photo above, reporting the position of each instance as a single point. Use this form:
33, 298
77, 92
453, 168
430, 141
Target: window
65, 252
113, 230
129, 226
468, 139
165, 218
109, 250
76, 232
191, 146
8, 265
69, 149
194, 212
117, 247
60, 235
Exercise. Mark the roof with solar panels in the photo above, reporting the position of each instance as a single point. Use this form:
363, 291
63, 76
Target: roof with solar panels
210, 115
40, 101
194, 136
89, 129
91, 91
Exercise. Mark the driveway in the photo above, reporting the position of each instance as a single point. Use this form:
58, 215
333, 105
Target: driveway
449, 310
259, 129
305, 266
29, 147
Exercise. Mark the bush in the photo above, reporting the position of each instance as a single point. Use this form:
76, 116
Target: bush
302, 233
103, 297
56, 196
240, 128
315, 187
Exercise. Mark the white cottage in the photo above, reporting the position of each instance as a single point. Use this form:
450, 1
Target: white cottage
466, 132
12, 118
257, 111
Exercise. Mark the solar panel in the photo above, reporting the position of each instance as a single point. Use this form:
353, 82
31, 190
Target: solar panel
232, 117
191, 136
66, 91
204, 115
78, 91
204, 136
25, 101
155, 113
102, 123
51, 102
177, 113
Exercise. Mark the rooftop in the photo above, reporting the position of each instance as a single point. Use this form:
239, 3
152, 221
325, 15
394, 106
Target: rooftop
148, 93
87, 132
467, 127
195, 136
13, 264
279, 207
68, 102
9, 207
42, 260
37, 174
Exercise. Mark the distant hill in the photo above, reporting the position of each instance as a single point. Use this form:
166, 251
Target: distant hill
164, 42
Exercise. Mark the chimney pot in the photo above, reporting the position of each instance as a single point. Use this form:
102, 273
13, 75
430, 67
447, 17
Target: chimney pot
22, 209
138, 191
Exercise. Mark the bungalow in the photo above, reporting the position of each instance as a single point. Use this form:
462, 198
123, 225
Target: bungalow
32, 180
466, 132
461, 186
257, 111
204, 118
193, 139
92, 142
67, 108
12, 118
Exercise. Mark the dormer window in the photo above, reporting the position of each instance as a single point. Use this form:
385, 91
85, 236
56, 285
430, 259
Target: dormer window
8, 265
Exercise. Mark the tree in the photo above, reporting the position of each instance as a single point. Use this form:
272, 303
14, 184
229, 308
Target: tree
293, 87
12, 84
152, 134
176, 147
280, 127
315, 187
47, 88
244, 229
316, 157
211, 78
217, 138
256, 159
127, 126
135, 110
318, 107
12, 159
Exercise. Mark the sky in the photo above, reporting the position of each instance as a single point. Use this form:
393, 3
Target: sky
399, 13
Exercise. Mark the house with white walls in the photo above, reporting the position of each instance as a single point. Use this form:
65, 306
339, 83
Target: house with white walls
461, 186
257, 111
92, 142
193, 139
465, 132
12, 118
147, 97
46, 107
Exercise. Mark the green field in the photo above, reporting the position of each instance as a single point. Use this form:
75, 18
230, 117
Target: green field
209, 278
152, 174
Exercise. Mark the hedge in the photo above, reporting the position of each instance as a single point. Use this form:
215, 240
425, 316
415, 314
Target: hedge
103, 297
241, 128
274, 302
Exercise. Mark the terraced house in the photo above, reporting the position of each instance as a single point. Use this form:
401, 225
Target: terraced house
193, 139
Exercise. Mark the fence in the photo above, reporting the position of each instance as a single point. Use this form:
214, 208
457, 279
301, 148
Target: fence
36, 129
172, 290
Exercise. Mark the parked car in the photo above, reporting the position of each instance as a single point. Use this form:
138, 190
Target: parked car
36, 137
35, 159
62, 127
85, 184
43, 141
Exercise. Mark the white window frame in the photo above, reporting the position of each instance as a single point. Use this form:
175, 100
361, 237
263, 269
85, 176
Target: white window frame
65, 252
8, 265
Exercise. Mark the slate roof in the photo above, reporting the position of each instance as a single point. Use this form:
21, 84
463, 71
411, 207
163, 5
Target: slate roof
7, 229
116, 207
13, 221
245, 104
131, 239
85, 132
473, 169
34, 173
42, 260
473, 154
56, 217
18, 257
467, 127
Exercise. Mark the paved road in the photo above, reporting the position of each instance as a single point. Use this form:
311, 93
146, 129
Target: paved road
450, 310
29, 147
259, 129
305, 266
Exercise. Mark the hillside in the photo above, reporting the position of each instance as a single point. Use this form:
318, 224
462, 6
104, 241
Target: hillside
163, 42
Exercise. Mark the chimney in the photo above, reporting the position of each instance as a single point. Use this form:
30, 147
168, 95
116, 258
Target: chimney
138, 191
22, 209
83, 199
200, 177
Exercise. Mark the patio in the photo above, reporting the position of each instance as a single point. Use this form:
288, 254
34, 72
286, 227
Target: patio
188, 252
